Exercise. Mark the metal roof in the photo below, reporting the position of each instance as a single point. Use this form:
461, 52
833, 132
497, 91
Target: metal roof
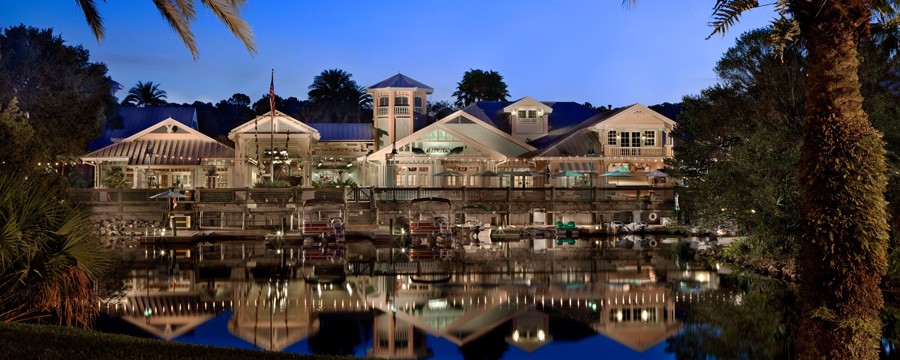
344, 132
167, 152
401, 81
579, 140
136, 119
564, 114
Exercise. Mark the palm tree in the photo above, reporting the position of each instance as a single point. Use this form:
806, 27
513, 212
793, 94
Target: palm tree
480, 85
334, 96
843, 211
180, 15
50, 257
145, 94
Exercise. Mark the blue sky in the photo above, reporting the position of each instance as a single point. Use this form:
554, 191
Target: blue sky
595, 51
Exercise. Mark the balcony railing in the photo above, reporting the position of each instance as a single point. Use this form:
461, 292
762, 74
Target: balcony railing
383, 110
401, 110
638, 151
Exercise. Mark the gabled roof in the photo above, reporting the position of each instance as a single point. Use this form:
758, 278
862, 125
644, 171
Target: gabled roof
470, 129
577, 140
171, 142
580, 139
401, 81
344, 132
526, 101
284, 124
563, 114
135, 119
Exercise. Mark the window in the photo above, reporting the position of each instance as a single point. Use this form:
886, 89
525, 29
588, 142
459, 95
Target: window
418, 102
383, 101
401, 101
649, 138
611, 138
626, 139
635, 139
527, 114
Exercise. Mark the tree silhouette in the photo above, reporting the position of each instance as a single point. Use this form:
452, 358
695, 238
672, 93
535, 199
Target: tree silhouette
843, 225
480, 85
145, 94
335, 97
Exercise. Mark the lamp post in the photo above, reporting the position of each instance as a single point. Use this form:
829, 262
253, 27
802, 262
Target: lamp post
591, 155
149, 153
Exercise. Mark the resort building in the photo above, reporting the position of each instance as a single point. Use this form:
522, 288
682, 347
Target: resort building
167, 154
516, 144
522, 143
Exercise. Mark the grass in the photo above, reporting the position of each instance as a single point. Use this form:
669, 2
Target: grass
26, 341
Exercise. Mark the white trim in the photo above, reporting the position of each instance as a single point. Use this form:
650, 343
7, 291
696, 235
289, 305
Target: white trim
630, 110
279, 116
439, 125
168, 121
525, 101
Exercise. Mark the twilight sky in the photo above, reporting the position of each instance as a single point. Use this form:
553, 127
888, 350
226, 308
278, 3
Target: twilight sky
584, 50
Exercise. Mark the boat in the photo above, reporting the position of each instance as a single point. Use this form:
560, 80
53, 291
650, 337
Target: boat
323, 219
429, 221
470, 226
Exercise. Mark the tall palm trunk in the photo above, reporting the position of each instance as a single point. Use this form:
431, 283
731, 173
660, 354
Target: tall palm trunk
844, 231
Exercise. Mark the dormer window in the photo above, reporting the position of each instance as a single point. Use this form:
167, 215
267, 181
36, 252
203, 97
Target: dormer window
527, 116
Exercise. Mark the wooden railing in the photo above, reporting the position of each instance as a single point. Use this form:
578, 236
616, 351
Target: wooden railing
665, 151
368, 194
401, 110
382, 110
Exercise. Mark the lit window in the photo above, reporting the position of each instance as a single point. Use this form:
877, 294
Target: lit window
649, 138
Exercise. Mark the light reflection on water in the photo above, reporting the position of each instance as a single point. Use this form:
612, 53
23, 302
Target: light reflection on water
620, 299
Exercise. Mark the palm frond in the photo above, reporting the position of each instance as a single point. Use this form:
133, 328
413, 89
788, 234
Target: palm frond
228, 11
177, 13
92, 16
785, 31
887, 12
629, 4
727, 12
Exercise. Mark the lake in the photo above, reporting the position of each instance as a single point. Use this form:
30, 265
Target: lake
619, 301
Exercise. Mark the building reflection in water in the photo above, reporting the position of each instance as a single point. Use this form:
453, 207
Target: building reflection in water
634, 306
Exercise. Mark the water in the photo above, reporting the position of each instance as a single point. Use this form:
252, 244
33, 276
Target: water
623, 302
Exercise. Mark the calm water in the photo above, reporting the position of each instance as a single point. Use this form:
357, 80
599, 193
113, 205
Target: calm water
621, 303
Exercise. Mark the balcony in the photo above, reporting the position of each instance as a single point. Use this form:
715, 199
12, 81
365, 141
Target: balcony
401, 110
638, 151
382, 110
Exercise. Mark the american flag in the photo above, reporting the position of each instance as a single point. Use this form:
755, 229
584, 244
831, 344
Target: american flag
272, 93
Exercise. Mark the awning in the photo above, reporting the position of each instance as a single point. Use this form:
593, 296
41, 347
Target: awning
581, 167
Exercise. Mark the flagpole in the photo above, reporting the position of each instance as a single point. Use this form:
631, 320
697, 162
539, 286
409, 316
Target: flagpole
272, 128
